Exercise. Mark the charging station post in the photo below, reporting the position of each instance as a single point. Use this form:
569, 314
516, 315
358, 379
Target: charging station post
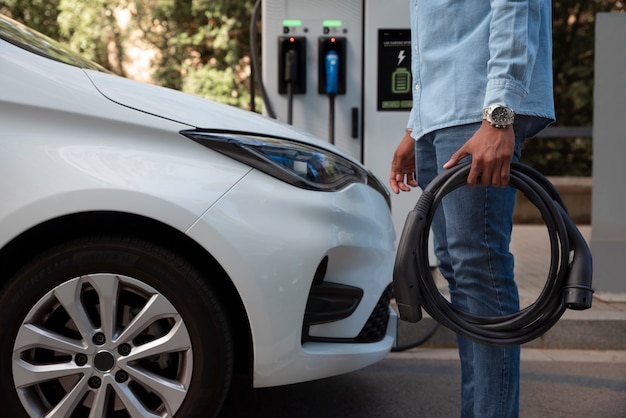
608, 233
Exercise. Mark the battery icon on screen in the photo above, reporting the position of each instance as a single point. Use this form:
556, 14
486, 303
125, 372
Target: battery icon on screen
401, 81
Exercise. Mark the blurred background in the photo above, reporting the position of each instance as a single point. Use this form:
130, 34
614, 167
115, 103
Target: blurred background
203, 47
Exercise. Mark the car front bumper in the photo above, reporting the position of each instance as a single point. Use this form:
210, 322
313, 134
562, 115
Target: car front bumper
270, 238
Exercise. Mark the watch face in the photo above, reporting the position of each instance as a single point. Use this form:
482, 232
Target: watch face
501, 116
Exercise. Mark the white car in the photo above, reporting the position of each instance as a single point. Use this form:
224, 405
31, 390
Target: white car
153, 244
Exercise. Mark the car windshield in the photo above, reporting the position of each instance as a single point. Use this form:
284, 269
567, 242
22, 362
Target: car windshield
37, 43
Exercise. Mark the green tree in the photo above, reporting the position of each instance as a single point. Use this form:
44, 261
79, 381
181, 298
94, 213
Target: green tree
90, 27
207, 52
573, 58
38, 14
201, 46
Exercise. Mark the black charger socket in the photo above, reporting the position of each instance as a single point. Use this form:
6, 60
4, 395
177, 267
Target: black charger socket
292, 64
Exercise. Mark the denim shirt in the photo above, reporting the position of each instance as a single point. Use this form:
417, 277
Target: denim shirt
470, 54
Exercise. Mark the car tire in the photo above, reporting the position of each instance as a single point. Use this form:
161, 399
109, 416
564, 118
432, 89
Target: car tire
117, 325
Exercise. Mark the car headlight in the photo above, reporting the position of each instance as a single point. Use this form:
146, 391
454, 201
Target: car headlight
297, 163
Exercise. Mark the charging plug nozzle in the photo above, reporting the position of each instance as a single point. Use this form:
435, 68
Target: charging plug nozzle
332, 73
577, 292
291, 66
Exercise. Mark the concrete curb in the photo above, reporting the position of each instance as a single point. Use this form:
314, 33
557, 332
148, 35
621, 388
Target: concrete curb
528, 354
573, 334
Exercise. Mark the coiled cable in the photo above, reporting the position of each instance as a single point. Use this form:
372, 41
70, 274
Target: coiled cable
568, 285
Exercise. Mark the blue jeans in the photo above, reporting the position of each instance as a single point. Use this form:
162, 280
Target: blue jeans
471, 233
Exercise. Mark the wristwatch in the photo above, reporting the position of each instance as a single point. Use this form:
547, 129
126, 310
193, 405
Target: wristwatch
499, 116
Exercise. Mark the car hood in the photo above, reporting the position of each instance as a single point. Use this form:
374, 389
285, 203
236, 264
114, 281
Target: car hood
189, 109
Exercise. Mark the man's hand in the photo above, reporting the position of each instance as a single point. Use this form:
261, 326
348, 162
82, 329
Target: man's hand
402, 175
492, 153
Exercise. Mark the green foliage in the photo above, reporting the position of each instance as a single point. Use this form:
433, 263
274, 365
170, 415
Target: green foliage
559, 156
39, 14
209, 53
573, 61
90, 28
201, 46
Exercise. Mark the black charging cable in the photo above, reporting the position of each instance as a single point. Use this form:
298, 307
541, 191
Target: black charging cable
254, 58
331, 118
291, 76
568, 285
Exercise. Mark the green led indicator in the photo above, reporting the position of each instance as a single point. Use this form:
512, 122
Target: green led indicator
333, 23
292, 23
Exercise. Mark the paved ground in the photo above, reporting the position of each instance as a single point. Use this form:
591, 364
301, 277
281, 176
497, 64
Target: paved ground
425, 383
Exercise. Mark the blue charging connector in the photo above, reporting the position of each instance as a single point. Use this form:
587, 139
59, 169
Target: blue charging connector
332, 60
332, 88
332, 72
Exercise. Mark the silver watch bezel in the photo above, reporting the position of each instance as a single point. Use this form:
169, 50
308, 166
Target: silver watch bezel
499, 120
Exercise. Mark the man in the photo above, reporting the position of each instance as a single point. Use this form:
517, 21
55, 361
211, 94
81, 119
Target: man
482, 76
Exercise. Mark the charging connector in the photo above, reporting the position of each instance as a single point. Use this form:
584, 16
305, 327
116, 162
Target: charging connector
332, 82
291, 69
292, 64
331, 74
326, 46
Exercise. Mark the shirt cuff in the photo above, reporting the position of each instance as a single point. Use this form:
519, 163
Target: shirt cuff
504, 92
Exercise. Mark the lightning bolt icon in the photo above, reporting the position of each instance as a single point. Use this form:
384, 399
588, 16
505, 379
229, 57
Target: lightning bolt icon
401, 56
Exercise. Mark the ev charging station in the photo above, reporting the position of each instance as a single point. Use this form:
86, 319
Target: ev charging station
341, 70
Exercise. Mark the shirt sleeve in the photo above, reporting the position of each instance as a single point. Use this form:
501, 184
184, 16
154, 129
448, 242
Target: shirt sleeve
513, 42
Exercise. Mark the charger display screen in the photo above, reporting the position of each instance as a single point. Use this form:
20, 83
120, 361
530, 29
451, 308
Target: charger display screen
394, 70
